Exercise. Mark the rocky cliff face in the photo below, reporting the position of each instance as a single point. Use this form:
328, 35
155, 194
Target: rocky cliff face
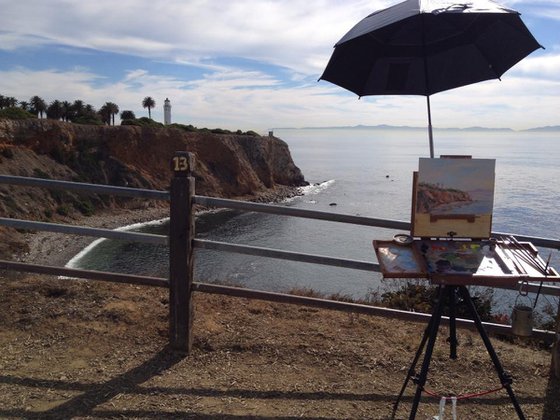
429, 197
229, 166
226, 165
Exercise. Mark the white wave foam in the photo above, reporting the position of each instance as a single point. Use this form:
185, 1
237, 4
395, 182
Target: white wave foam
316, 188
310, 190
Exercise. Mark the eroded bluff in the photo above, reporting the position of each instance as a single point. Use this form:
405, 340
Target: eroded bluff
225, 165
230, 166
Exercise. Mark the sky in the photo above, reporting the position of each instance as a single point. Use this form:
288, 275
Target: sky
248, 64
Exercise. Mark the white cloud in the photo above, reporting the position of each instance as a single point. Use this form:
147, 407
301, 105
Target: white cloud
285, 32
544, 66
10, 41
549, 9
257, 101
287, 35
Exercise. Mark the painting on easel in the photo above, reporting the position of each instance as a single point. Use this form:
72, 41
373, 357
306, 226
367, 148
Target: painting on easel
453, 197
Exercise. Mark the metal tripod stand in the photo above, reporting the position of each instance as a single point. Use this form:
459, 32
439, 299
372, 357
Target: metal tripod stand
429, 338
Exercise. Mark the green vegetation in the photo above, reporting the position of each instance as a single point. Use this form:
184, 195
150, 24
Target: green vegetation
142, 122
108, 112
85, 207
127, 115
190, 128
79, 112
63, 210
15, 114
39, 173
412, 296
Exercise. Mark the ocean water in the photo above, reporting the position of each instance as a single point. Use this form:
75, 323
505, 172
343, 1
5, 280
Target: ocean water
366, 172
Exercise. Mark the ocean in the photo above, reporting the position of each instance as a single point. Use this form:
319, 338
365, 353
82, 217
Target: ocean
365, 172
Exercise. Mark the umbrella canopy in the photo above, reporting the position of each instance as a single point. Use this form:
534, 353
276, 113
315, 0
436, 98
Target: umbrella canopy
421, 47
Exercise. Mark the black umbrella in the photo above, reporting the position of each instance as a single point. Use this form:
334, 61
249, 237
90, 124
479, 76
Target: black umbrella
421, 47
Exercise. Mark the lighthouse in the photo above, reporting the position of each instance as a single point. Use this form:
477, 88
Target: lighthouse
167, 112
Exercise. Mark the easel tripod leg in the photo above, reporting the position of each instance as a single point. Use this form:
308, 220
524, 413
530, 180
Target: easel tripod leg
432, 335
410, 373
504, 377
452, 292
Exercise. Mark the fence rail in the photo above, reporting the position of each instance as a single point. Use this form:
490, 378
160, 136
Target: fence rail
285, 255
84, 187
344, 218
356, 308
85, 231
295, 212
83, 274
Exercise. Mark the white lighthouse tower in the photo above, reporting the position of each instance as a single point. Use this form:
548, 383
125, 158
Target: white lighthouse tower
167, 112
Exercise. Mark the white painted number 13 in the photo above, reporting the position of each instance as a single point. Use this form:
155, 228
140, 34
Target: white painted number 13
181, 163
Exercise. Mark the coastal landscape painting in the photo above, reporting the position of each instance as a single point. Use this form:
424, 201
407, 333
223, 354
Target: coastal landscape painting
453, 197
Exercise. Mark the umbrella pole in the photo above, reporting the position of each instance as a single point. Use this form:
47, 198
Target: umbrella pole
430, 134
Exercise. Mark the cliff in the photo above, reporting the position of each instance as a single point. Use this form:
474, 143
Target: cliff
429, 197
231, 166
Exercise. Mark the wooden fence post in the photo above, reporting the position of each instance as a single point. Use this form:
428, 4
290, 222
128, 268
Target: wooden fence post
181, 234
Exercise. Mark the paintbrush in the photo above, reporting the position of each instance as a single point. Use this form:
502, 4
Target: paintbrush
510, 254
547, 264
528, 257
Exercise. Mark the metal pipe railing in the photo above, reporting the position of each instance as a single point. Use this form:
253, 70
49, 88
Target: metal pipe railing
285, 255
84, 231
295, 212
84, 187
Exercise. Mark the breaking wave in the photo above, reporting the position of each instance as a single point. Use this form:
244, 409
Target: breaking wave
316, 188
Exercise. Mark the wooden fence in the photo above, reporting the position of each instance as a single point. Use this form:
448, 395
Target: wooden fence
182, 243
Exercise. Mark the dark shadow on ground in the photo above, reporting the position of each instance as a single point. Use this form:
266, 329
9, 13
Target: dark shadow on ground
94, 395
551, 407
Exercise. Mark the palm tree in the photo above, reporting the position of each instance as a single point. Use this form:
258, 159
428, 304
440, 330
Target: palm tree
105, 113
11, 102
55, 111
38, 106
112, 109
24, 105
149, 103
66, 110
7, 102
78, 108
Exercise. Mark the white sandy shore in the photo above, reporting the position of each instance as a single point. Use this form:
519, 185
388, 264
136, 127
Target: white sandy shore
57, 249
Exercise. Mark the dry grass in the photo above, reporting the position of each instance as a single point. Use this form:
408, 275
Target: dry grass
77, 349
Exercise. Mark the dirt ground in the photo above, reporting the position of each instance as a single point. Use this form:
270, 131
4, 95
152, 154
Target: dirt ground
94, 350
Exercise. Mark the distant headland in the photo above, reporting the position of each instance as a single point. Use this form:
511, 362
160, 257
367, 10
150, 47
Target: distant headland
553, 128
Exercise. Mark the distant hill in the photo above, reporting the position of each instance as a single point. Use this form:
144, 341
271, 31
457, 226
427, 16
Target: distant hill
548, 128
404, 127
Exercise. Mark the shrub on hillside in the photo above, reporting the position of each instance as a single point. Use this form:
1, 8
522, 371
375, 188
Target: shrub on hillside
142, 122
14, 113
88, 120
189, 128
418, 297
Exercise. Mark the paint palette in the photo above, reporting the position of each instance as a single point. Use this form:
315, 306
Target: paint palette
462, 262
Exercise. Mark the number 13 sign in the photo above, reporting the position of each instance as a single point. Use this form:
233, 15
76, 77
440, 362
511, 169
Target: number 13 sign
182, 163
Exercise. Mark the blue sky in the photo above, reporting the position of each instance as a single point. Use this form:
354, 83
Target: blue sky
248, 64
